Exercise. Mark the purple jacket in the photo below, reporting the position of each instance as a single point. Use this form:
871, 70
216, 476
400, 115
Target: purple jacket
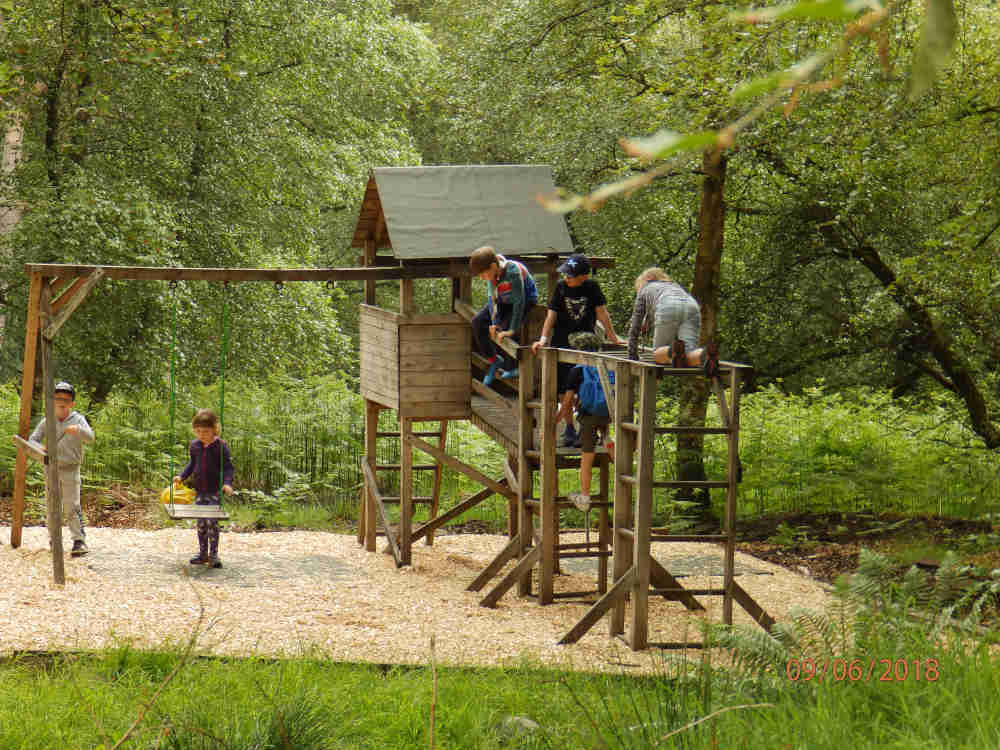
205, 464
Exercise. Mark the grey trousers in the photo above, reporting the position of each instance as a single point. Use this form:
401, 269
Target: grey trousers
72, 511
677, 317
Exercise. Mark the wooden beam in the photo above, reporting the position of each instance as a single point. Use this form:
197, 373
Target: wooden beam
368, 511
439, 521
616, 595
498, 487
27, 397
380, 508
53, 492
524, 565
524, 523
438, 476
416, 269
643, 512
622, 513
510, 552
405, 490
73, 297
550, 478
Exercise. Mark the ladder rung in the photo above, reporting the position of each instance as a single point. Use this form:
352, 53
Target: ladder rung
679, 430
676, 484
688, 537
630, 427
397, 467
383, 434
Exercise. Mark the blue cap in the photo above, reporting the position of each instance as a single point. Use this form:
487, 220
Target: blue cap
575, 265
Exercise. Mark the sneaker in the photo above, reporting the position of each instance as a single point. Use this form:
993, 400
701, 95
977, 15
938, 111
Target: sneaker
79, 548
214, 562
711, 360
570, 438
580, 502
509, 374
492, 372
678, 358
199, 560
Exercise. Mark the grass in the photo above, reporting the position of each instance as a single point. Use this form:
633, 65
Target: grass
92, 700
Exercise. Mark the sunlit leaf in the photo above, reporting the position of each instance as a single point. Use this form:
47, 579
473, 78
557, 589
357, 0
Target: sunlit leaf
937, 35
665, 143
824, 10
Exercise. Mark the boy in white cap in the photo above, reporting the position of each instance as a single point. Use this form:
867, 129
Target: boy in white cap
72, 431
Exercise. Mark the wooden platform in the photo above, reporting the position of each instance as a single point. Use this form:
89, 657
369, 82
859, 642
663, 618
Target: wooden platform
500, 423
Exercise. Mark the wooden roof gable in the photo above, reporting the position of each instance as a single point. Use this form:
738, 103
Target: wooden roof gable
424, 213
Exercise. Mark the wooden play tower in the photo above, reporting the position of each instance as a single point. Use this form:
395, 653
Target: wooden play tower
421, 365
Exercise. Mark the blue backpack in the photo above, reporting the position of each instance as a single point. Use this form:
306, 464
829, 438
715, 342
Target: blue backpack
591, 394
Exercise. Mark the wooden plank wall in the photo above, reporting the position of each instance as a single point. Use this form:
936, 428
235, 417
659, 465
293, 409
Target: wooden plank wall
434, 356
380, 356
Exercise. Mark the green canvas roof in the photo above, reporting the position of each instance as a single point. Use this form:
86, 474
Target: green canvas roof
447, 212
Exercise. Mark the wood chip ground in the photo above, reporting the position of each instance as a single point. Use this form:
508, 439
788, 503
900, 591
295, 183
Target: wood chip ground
319, 594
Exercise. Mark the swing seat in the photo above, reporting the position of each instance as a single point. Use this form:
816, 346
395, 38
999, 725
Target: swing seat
181, 512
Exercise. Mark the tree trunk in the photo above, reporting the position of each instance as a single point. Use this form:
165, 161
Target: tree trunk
707, 270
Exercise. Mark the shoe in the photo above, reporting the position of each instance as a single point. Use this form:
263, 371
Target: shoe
711, 360
79, 548
678, 358
214, 562
570, 438
580, 502
491, 373
509, 374
199, 560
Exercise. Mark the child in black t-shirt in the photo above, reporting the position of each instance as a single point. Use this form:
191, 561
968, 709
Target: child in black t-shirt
576, 305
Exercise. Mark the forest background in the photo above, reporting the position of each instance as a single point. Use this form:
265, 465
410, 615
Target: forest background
848, 231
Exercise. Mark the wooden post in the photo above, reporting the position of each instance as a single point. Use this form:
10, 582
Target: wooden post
438, 472
407, 302
549, 470
525, 442
371, 433
731, 493
369, 260
54, 491
405, 490
643, 510
27, 396
624, 458
603, 532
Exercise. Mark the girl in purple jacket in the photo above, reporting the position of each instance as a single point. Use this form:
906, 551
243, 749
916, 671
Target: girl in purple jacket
212, 468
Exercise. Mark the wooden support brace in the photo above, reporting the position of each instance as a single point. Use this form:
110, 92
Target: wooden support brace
524, 565
66, 305
752, 607
661, 578
509, 552
616, 594
439, 521
499, 487
380, 509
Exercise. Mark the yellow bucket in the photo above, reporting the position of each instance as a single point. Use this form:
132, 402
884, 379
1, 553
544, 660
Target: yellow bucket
183, 495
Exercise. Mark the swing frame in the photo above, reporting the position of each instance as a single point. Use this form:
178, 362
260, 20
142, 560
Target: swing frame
58, 289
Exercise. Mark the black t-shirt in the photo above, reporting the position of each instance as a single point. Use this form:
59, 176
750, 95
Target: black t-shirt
575, 308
